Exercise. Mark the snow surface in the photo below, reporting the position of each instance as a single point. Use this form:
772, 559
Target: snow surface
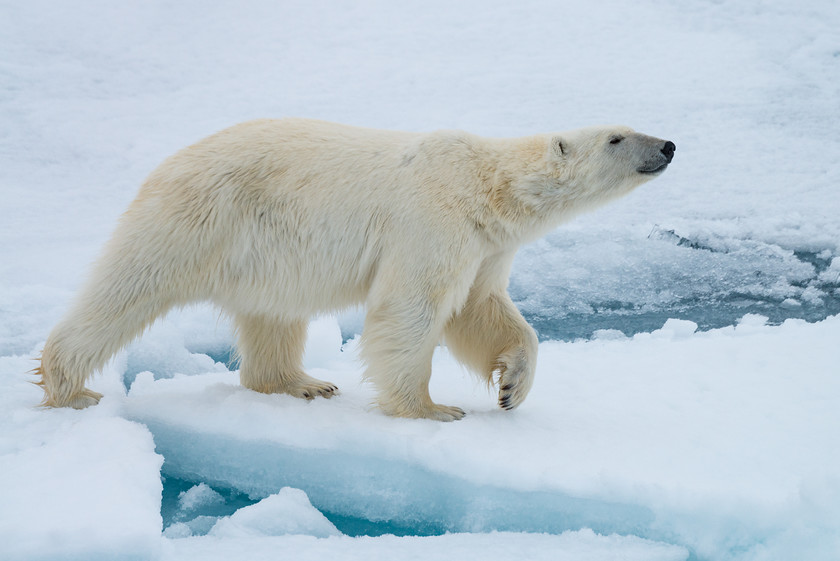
648, 435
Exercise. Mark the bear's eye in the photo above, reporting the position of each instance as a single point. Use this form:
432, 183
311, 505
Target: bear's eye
616, 139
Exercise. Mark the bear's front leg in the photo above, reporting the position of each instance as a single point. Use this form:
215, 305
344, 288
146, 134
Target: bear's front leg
490, 336
398, 341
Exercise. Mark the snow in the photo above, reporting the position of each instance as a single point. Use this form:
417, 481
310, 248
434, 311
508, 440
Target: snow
74, 485
669, 418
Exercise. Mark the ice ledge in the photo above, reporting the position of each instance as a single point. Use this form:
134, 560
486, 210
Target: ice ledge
662, 435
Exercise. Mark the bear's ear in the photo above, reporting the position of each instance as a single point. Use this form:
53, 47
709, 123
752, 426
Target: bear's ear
559, 146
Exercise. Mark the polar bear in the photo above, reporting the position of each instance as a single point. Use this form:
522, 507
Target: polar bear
275, 221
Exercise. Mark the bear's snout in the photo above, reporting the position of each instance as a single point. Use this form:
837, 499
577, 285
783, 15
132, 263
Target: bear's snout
668, 150
659, 155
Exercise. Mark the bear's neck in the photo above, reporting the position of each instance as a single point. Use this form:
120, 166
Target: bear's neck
518, 209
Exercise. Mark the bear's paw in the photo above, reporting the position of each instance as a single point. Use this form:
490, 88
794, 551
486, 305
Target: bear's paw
309, 388
515, 378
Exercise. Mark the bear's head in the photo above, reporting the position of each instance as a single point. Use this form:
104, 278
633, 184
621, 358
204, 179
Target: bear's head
593, 165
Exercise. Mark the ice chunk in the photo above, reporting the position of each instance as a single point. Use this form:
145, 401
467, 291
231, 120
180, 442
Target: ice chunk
178, 530
676, 329
199, 496
831, 275
813, 295
608, 334
286, 512
752, 320
198, 526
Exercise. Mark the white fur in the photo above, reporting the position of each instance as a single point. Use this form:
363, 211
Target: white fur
279, 220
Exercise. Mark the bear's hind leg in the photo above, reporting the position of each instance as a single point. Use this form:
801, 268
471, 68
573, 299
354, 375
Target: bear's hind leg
116, 305
272, 357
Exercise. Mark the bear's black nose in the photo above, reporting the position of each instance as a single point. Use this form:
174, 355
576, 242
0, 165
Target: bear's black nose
668, 150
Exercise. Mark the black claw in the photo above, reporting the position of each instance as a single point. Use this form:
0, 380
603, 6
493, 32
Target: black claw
306, 395
506, 387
